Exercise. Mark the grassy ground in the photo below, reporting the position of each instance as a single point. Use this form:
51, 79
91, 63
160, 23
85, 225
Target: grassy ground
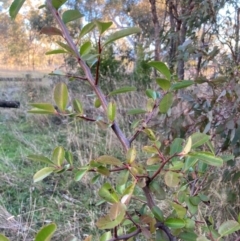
26, 206
58, 198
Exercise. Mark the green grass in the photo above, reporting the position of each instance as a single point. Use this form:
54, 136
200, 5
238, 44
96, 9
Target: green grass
58, 198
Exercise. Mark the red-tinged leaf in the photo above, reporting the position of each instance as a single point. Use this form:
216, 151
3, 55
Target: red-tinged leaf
15, 7
109, 160
58, 155
46, 232
41, 174
162, 68
51, 31
61, 96
115, 217
71, 15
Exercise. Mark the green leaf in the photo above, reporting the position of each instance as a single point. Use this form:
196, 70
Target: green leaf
199, 139
71, 15
136, 112
109, 160
97, 103
66, 47
15, 7
40, 158
176, 146
127, 194
58, 155
108, 193
3, 238
180, 210
150, 134
77, 105
161, 235
166, 103
111, 111
58, 3
61, 96
122, 177
103, 170
86, 29
182, 84
208, 158
56, 51
51, 31
228, 227
80, 174
189, 162
46, 232
188, 236
106, 236
131, 155
157, 190
115, 217
163, 83
103, 26
158, 214
195, 200
151, 94
175, 223
41, 174
202, 238
150, 149
85, 48
162, 68
42, 108
121, 33
121, 90
69, 157
187, 147
171, 179
191, 208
